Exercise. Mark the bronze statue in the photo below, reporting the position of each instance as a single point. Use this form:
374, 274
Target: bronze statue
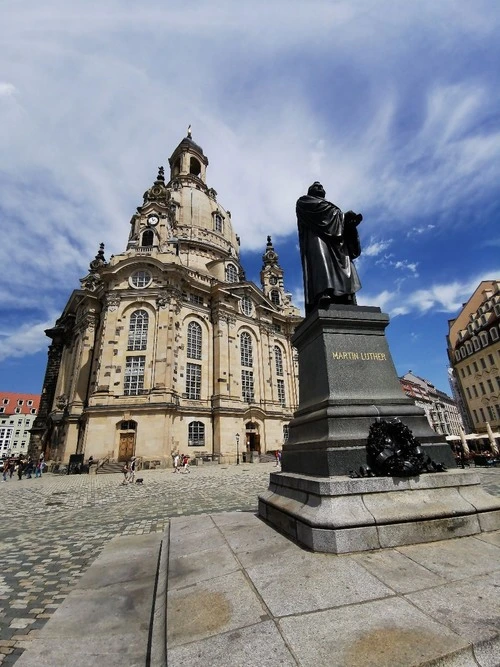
329, 241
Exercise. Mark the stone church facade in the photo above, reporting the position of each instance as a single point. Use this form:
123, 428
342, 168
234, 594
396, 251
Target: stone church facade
166, 347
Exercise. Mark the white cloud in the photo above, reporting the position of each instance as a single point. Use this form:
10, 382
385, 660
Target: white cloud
7, 89
28, 339
374, 248
96, 95
439, 297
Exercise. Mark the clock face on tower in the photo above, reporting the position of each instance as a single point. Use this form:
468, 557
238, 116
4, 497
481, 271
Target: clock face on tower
273, 280
153, 220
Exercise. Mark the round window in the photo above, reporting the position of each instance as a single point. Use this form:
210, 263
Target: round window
246, 306
141, 279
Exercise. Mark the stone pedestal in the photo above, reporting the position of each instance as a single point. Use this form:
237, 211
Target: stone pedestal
341, 515
348, 379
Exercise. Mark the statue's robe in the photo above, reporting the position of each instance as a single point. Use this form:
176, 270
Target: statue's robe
328, 243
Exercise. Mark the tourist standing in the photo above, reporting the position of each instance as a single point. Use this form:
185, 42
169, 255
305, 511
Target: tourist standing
176, 463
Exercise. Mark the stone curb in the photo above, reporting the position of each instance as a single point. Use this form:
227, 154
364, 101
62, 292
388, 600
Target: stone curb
157, 649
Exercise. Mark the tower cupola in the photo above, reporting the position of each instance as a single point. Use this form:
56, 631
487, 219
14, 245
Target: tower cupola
188, 160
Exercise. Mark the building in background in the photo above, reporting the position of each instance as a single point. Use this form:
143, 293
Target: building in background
17, 415
474, 353
167, 347
441, 410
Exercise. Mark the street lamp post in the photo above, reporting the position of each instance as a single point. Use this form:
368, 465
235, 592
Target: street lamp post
237, 449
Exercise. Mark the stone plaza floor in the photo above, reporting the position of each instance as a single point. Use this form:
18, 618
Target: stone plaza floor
55, 527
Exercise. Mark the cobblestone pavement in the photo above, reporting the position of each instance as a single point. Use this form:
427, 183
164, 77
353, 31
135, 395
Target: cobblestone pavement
54, 527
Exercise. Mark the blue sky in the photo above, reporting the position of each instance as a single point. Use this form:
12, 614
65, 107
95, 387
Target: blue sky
394, 105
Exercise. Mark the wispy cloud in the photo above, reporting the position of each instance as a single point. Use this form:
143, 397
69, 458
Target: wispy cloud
26, 340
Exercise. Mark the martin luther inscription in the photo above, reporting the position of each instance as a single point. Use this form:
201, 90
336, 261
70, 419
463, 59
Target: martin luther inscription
359, 356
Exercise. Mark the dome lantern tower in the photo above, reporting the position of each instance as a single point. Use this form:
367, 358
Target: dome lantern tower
188, 161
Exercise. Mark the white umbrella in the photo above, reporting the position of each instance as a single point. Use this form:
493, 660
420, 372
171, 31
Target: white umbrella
465, 446
493, 443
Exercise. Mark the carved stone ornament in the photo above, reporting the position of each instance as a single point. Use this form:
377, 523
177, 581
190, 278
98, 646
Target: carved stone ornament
393, 451
112, 301
61, 402
91, 282
162, 300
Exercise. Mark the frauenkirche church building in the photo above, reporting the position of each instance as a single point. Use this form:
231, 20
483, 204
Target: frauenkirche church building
166, 347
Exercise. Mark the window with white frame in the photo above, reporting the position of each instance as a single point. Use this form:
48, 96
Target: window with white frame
278, 360
286, 432
281, 391
196, 434
247, 386
194, 341
231, 273
138, 330
246, 306
246, 351
193, 381
29, 403
133, 381
141, 279
275, 297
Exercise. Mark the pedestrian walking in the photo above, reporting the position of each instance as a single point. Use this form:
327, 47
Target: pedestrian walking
20, 468
176, 463
131, 470
29, 468
90, 464
125, 471
6, 466
278, 458
185, 463
38, 469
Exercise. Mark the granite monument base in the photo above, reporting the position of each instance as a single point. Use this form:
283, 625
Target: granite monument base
342, 515
347, 380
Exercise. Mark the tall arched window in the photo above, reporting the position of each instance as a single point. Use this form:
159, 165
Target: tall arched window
278, 359
147, 238
231, 273
246, 349
275, 297
196, 434
194, 341
138, 330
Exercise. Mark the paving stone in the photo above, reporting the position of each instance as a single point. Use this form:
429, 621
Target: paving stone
66, 538
384, 633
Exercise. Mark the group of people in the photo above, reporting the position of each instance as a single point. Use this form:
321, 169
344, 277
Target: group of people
181, 461
22, 466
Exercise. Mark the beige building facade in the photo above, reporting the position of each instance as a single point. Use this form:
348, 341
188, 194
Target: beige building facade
474, 354
166, 347
440, 409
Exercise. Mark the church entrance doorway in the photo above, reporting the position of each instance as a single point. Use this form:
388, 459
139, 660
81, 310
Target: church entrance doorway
126, 447
252, 437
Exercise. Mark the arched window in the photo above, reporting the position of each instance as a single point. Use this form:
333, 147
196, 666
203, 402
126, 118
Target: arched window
275, 297
484, 338
147, 238
278, 359
231, 273
194, 341
138, 330
194, 167
196, 434
246, 349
